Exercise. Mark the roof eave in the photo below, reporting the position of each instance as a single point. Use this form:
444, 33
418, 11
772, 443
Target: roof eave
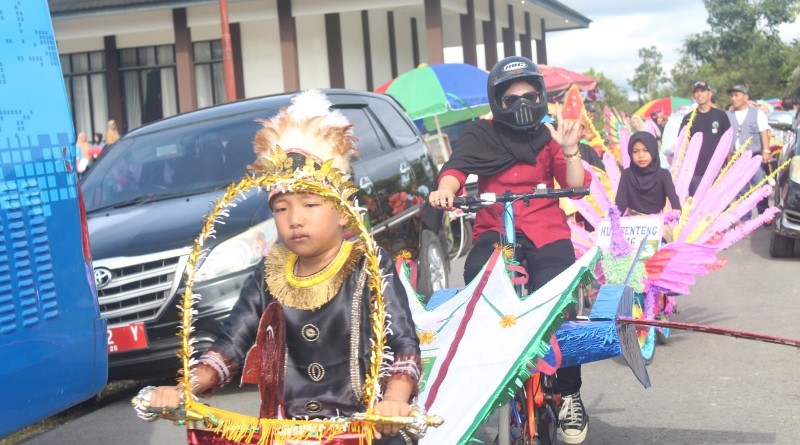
111, 10
578, 20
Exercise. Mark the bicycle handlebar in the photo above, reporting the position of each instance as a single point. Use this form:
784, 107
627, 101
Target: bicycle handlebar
475, 203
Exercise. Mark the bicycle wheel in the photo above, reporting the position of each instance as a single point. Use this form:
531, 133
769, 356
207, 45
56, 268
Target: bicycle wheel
645, 334
513, 421
504, 422
546, 425
662, 334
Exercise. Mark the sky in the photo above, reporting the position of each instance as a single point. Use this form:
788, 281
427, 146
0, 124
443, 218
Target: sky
619, 28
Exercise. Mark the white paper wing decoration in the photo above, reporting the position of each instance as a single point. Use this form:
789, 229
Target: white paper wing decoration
476, 346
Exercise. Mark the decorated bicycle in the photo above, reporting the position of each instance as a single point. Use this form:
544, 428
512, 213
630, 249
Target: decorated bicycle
494, 329
708, 222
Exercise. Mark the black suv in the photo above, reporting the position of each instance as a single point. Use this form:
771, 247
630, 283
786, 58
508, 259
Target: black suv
146, 197
786, 227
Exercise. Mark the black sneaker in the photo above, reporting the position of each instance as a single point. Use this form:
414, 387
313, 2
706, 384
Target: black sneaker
573, 420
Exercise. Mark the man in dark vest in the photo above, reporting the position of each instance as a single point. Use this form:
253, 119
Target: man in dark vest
749, 122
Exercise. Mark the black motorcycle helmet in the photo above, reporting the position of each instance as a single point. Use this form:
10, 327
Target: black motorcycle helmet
522, 114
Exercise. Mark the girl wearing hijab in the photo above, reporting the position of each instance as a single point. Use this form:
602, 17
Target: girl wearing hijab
645, 187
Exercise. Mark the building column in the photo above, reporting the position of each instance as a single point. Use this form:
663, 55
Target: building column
415, 42
333, 37
469, 41
184, 62
490, 38
113, 84
392, 43
525, 45
238, 64
509, 35
367, 49
541, 47
288, 35
433, 27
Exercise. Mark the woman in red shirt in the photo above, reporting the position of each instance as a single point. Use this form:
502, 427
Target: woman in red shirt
516, 152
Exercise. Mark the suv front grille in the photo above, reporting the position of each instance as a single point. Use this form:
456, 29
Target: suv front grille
792, 217
139, 286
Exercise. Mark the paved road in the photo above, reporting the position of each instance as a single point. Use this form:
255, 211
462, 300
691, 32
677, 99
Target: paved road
707, 389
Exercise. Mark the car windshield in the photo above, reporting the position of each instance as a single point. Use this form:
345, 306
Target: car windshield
184, 160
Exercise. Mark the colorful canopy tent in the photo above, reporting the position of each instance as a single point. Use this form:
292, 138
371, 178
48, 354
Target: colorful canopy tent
664, 104
441, 94
557, 80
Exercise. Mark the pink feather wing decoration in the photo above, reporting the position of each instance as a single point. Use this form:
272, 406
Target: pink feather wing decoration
683, 176
624, 138
582, 239
714, 165
650, 127
734, 214
675, 266
612, 170
722, 194
737, 233
675, 150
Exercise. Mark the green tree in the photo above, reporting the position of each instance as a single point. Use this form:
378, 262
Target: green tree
742, 46
649, 77
793, 83
613, 95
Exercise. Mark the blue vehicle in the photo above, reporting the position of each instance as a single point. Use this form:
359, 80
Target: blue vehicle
52, 337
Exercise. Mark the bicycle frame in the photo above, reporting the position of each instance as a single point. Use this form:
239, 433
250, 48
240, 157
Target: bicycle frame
539, 387
536, 397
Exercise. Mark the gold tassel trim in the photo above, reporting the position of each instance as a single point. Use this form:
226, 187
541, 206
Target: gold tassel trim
311, 292
252, 430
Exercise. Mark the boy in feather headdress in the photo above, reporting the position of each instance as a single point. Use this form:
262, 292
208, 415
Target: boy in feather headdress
307, 322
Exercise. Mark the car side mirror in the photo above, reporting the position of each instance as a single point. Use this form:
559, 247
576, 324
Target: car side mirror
780, 120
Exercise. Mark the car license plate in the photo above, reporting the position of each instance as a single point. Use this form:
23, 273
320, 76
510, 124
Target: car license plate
127, 338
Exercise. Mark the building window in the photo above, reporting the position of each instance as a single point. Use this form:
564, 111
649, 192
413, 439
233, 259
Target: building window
85, 81
149, 84
209, 76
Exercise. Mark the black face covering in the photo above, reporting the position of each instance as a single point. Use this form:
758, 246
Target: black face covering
487, 148
525, 111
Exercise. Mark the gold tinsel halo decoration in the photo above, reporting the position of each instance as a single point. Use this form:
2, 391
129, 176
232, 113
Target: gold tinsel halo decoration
277, 175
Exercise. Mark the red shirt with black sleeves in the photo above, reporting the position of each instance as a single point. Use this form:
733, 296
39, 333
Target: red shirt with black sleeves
542, 221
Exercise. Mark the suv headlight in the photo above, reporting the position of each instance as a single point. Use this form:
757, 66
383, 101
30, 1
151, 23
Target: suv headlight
240, 252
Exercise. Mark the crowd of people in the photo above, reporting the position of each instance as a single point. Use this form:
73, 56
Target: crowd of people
314, 278
88, 151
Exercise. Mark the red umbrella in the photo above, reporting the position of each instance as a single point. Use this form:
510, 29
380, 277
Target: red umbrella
557, 79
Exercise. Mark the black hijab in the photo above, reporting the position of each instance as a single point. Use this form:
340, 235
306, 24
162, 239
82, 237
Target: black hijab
639, 188
489, 147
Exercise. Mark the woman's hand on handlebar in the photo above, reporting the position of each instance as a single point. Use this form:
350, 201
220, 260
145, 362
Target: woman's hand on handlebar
442, 199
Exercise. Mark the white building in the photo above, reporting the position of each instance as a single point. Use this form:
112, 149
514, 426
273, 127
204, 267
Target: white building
136, 61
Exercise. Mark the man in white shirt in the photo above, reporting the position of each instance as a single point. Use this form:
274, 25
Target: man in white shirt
749, 122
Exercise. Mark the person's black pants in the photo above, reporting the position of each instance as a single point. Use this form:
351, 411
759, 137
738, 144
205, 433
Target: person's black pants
543, 264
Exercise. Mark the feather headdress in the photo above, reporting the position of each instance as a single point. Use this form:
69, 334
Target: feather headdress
307, 127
